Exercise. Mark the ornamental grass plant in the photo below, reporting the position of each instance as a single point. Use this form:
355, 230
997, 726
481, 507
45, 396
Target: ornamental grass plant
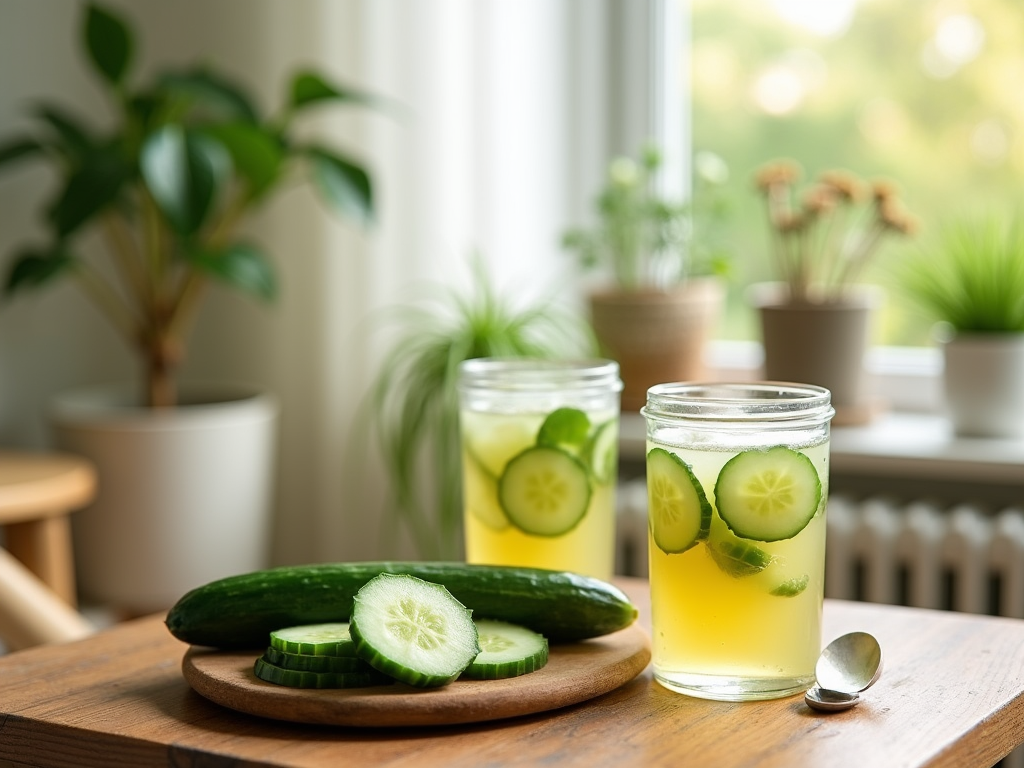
971, 279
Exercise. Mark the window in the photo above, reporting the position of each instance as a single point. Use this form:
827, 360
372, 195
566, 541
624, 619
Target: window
925, 94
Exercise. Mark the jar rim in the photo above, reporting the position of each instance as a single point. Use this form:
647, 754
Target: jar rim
739, 401
532, 374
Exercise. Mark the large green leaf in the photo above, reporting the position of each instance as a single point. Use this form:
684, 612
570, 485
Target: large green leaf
257, 153
89, 189
241, 266
109, 43
310, 87
209, 94
75, 140
16, 149
344, 185
33, 267
184, 171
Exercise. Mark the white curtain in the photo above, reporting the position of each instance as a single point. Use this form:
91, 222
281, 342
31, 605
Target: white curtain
508, 111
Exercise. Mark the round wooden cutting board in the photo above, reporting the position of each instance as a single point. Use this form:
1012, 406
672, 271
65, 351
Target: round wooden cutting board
575, 672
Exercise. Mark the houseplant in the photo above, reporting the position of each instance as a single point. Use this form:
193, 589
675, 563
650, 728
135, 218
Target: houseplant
815, 321
188, 158
413, 415
970, 280
660, 294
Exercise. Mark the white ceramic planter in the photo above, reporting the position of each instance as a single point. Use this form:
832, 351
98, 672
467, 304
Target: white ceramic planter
984, 384
184, 494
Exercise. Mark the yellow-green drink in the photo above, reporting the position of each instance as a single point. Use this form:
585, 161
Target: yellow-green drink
737, 479
540, 463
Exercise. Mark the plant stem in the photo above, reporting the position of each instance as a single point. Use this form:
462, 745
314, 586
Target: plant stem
107, 301
124, 250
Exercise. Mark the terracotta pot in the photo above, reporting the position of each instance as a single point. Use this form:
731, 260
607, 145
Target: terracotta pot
984, 384
657, 336
823, 343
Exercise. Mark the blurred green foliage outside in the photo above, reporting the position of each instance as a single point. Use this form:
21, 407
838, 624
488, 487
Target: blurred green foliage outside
924, 93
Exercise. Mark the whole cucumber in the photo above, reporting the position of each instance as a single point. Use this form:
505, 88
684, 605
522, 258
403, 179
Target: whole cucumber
241, 611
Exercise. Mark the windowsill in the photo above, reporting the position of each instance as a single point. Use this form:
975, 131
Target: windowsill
912, 439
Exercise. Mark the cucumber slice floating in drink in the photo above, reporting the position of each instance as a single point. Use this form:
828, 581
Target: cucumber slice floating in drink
768, 495
565, 428
791, 587
603, 452
679, 512
733, 555
544, 491
481, 493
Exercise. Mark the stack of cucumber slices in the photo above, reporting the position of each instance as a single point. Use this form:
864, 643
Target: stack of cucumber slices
545, 489
402, 629
762, 496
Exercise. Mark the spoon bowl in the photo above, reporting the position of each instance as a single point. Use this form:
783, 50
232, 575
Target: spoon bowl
849, 665
825, 700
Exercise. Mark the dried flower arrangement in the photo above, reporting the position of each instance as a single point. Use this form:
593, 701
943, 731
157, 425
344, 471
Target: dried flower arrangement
822, 242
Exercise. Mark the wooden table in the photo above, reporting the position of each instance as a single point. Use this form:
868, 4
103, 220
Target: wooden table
952, 694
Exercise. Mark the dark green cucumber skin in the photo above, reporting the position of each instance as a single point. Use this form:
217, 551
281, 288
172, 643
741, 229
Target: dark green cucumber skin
240, 611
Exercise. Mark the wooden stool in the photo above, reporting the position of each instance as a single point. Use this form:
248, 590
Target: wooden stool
38, 492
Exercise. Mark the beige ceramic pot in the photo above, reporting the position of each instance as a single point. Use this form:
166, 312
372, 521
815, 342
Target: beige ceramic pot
823, 343
657, 336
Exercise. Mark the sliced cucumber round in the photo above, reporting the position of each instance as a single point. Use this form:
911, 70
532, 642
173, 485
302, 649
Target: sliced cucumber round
303, 662
293, 678
506, 650
679, 512
331, 639
413, 630
544, 491
768, 495
603, 452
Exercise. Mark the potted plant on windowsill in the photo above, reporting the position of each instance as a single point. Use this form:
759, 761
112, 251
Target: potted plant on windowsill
816, 320
971, 282
662, 293
188, 158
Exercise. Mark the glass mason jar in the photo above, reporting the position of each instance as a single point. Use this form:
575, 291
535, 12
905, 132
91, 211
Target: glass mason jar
539, 444
737, 485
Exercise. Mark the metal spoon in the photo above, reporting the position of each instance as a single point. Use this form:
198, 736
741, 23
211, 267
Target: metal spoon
849, 665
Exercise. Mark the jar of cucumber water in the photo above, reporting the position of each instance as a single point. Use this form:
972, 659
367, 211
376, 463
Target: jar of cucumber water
539, 444
737, 484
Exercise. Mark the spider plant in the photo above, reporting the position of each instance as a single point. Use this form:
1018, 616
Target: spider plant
414, 415
973, 279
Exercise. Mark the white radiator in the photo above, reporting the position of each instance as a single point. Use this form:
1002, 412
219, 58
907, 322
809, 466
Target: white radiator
960, 557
